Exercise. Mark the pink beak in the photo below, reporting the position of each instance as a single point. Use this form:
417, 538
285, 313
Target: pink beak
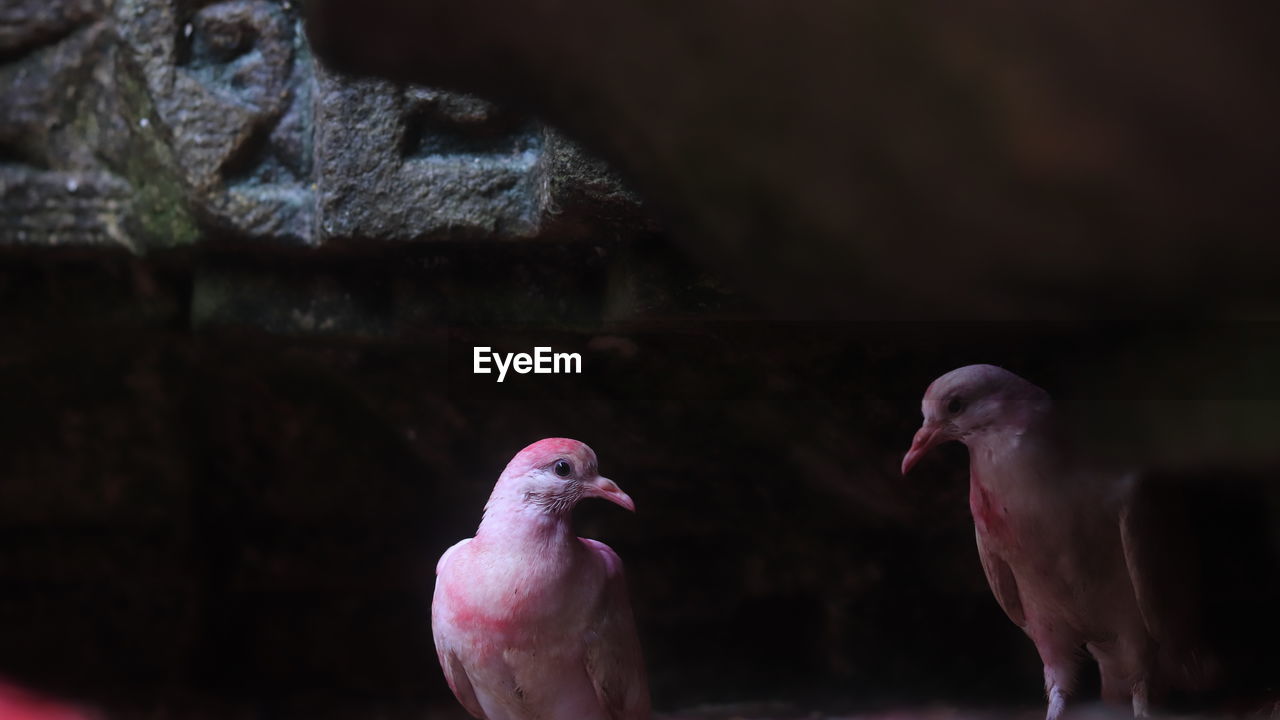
926, 437
606, 489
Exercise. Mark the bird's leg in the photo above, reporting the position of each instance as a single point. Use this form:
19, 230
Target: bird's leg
1140, 698
1059, 651
1122, 669
1059, 681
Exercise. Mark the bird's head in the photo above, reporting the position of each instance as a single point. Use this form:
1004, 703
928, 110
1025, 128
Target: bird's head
552, 475
970, 401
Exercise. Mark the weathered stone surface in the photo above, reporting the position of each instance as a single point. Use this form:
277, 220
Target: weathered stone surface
24, 25
45, 84
404, 163
54, 119
58, 208
212, 122
221, 89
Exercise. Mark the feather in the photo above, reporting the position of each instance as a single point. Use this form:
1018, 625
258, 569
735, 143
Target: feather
530, 621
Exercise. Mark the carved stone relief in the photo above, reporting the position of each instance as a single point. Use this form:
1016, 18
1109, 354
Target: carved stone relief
158, 123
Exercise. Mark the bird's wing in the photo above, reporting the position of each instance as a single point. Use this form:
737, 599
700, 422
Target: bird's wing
1161, 556
1003, 584
613, 658
454, 673
460, 683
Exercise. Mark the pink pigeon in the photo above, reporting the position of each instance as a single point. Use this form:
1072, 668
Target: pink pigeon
1066, 547
529, 620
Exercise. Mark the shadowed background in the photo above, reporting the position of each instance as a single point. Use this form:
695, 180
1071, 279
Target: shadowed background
880, 159
240, 281
231, 523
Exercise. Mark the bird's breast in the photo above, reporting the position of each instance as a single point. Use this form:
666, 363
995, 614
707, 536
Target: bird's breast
510, 603
475, 609
990, 515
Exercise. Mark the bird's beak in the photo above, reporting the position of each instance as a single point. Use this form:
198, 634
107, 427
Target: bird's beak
606, 489
926, 437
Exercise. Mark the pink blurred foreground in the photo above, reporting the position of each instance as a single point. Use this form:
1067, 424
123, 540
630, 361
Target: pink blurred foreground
19, 704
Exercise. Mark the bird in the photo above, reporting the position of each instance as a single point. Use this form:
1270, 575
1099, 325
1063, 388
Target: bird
1069, 549
529, 620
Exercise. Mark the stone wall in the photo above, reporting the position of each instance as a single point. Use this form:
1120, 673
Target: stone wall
156, 124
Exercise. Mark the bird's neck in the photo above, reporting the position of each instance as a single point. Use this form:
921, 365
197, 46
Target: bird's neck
521, 524
1017, 455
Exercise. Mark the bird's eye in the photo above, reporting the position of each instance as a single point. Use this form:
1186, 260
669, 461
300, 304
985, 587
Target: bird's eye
563, 468
956, 405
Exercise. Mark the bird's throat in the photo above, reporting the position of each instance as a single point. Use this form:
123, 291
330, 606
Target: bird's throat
521, 526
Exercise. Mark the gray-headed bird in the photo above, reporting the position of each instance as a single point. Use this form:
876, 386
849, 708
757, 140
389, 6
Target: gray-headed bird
1066, 546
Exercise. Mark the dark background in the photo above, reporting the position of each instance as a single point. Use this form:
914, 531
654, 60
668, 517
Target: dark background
880, 159
228, 522
237, 419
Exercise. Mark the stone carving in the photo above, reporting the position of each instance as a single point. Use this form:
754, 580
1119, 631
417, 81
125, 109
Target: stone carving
404, 163
222, 87
53, 188
156, 123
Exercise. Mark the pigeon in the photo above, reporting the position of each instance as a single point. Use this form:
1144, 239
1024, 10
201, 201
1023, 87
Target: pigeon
1065, 545
529, 620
